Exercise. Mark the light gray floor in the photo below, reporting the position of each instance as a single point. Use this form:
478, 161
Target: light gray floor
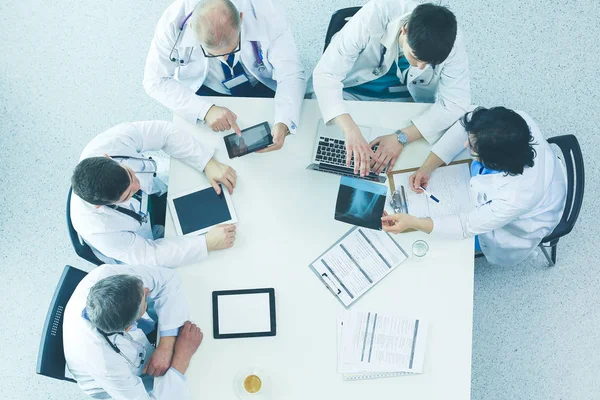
71, 69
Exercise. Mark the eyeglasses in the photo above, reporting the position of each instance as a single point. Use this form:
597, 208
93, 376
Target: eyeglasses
237, 49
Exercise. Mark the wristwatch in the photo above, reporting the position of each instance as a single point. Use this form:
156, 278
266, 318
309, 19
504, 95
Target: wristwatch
402, 138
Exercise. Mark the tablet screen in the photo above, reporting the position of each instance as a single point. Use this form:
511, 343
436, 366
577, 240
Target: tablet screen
201, 209
254, 138
244, 313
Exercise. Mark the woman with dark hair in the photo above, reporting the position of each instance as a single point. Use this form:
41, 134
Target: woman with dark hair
518, 185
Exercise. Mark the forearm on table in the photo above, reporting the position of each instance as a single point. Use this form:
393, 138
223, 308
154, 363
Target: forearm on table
421, 224
412, 133
432, 162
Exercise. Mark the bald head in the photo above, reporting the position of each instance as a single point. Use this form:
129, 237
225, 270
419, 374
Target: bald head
217, 24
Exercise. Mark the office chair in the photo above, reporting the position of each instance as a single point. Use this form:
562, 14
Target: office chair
575, 185
337, 22
51, 357
81, 248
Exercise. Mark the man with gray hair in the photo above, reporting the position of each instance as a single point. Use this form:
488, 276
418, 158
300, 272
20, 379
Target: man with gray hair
107, 334
240, 48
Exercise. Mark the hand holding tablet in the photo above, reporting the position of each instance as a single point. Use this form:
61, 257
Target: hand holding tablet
255, 138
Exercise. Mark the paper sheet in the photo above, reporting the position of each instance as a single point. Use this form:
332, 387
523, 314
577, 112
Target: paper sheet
244, 313
375, 342
449, 184
357, 262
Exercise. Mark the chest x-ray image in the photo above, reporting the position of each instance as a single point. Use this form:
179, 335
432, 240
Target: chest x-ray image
360, 202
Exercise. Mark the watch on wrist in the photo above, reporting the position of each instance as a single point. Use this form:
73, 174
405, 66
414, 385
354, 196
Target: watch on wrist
402, 138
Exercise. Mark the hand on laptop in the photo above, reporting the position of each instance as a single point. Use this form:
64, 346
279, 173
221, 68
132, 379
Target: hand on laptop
387, 153
217, 172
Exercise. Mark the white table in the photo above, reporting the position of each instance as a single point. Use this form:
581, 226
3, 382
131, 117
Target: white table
286, 221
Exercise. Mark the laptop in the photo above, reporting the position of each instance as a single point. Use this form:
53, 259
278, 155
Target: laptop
329, 154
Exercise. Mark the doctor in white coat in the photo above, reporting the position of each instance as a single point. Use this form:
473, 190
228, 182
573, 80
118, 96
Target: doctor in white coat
394, 50
105, 330
112, 185
518, 185
243, 48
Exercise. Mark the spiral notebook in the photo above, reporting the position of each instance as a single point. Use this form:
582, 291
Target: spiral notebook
366, 351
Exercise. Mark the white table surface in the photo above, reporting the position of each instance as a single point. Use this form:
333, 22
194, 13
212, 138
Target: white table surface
286, 220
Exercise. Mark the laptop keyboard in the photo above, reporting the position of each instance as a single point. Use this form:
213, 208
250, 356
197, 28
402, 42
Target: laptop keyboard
333, 151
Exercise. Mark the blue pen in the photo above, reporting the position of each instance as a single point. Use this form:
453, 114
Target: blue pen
432, 197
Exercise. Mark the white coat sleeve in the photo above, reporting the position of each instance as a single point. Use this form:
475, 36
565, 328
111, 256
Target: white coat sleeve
451, 144
131, 387
287, 71
339, 58
485, 218
153, 136
131, 248
453, 96
159, 72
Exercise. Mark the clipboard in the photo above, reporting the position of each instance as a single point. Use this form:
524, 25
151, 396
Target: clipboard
391, 174
335, 285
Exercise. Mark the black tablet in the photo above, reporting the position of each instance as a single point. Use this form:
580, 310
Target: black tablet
255, 138
244, 313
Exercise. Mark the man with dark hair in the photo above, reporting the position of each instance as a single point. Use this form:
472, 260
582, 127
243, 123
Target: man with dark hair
394, 50
107, 334
118, 204
518, 185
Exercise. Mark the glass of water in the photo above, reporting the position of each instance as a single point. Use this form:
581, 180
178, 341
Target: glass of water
420, 249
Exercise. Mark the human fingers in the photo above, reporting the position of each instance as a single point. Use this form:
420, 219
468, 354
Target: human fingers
215, 186
225, 181
349, 153
231, 120
413, 183
375, 141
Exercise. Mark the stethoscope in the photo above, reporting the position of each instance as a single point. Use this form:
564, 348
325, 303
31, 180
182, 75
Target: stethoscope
141, 219
141, 347
377, 70
259, 64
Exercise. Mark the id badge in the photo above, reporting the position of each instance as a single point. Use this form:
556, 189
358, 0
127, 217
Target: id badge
235, 81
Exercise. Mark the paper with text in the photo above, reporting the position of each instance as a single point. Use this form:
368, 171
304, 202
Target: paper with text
450, 184
375, 342
357, 261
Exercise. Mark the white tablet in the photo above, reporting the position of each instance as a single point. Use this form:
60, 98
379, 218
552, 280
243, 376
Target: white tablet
196, 211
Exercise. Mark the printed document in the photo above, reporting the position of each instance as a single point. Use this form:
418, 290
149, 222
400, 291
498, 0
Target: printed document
449, 184
357, 261
375, 342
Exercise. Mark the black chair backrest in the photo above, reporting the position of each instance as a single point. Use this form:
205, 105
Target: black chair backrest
338, 21
51, 356
81, 248
575, 184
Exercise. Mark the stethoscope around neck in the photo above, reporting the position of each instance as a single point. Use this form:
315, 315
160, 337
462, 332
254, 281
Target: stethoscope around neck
141, 219
113, 345
259, 63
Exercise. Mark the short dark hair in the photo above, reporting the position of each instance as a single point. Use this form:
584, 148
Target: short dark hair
502, 139
100, 180
114, 303
431, 32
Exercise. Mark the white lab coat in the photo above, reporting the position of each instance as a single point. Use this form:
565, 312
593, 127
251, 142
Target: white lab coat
102, 373
116, 237
355, 52
263, 21
511, 214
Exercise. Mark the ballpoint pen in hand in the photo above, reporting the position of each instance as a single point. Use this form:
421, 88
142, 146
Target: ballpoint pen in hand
432, 197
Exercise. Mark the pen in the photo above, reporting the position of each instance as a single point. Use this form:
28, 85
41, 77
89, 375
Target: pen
432, 197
